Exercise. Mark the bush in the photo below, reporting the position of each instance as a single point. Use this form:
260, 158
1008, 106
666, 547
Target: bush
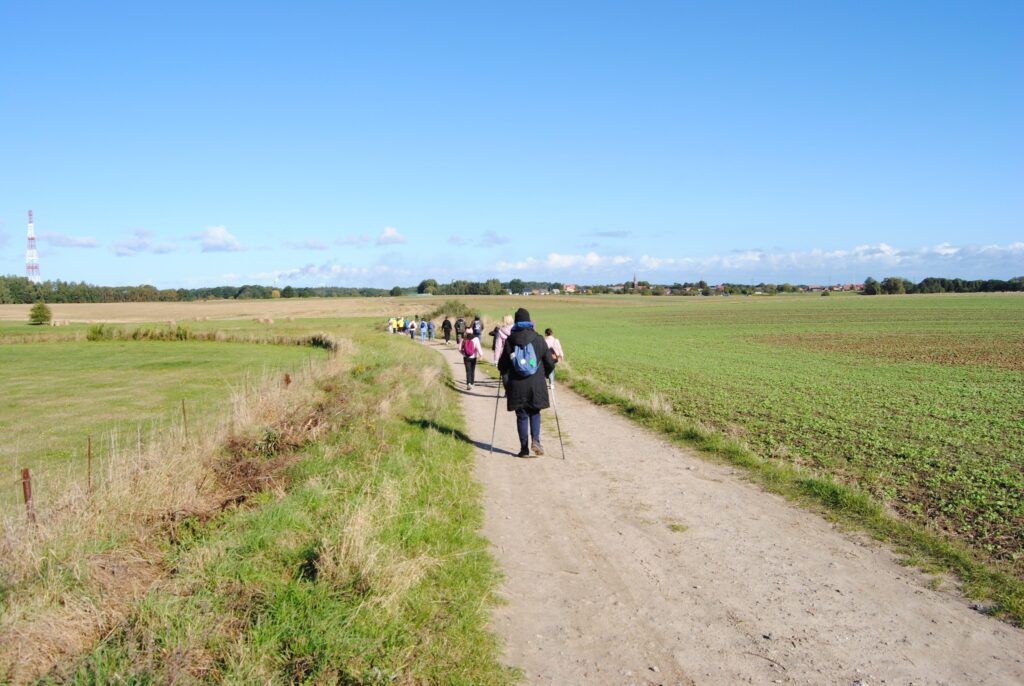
454, 308
40, 314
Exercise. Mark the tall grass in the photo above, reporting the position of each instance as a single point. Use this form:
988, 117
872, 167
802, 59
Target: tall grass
78, 568
182, 332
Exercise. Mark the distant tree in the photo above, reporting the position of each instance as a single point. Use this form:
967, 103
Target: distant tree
893, 285
427, 287
516, 286
396, 291
288, 292
871, 286
40, 314
493, 287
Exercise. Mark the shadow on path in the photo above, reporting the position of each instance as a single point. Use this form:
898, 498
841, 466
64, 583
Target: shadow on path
449, 431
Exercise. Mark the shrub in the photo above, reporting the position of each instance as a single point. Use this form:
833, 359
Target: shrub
40, 314
455, 308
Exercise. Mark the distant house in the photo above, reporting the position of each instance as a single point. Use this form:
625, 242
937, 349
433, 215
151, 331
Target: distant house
569, 288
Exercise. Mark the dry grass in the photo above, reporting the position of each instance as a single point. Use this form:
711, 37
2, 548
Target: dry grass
77, 572
353, 557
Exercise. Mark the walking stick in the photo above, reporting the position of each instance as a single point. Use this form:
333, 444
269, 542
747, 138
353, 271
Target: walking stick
494, 426
554, 407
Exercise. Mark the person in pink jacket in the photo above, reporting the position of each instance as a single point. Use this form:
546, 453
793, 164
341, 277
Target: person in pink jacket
555, 346
471, 352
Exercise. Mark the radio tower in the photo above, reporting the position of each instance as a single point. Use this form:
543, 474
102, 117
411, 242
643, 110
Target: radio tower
31, 256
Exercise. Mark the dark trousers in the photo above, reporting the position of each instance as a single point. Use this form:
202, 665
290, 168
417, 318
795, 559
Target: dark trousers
470, 369
448, 336
528, 425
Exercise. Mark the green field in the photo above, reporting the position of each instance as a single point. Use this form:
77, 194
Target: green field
56, 394
918, 400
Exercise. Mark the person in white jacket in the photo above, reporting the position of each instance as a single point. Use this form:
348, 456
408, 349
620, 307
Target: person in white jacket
504, 329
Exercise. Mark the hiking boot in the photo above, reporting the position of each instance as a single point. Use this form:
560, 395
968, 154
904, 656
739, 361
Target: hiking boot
538, 449
524, 452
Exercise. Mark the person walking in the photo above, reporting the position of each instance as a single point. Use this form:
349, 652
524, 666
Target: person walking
423, 329
412, 329
525, 361
478, 327
446, 329
430, 330
555, 346
504, 329
460, 330
470, 354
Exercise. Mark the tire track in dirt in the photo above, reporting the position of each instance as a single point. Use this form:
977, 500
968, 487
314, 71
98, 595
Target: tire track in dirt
635, 562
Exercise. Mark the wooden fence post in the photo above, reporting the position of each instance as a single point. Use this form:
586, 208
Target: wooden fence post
26, 491
184, 418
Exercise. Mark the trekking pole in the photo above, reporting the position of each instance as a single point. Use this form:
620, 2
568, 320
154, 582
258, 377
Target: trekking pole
494, 426
554, 406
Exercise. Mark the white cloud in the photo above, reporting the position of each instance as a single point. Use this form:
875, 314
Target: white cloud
610, 234
456, 239
128, 247
63, 240
217, 239
491, 239
335, 274
558, 261
755, 264
357, 241
390, 236
307, 245
164, 248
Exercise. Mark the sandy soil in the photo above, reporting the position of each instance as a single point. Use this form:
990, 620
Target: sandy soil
633, 561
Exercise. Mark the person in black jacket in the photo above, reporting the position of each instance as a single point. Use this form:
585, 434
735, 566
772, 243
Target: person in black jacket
526, 392
446, 329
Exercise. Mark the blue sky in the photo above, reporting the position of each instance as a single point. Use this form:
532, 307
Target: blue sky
191, 144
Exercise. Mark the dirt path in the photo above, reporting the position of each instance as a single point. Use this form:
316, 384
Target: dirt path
636, 562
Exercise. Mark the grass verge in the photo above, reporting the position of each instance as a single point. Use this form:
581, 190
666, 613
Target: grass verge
1001, 591
349, 558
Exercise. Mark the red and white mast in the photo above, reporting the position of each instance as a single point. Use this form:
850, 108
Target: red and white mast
31, 255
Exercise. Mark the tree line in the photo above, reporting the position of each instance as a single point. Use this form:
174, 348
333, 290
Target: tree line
19, 290
895, 285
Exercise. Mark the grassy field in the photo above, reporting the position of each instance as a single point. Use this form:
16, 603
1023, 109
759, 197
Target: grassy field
325, 534
917, 400
56, 394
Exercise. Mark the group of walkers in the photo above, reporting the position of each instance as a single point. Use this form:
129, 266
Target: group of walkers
423, 327
526, 362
